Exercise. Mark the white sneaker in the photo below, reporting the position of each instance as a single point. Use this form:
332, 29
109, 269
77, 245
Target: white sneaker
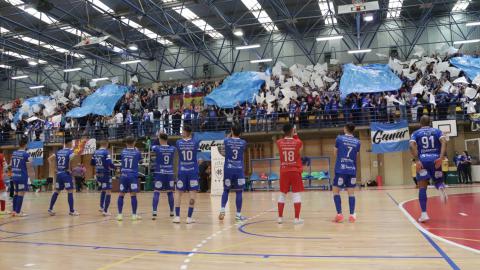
100, 210
119, 217
423, 217
443, 194
51, 212
106, 214
136, 217
74, 214
280, 220
171, 214
298, 221
239, 217
190, 220
176, 219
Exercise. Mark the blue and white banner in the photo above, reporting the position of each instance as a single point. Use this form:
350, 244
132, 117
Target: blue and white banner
387, 137
207, 140
35, 149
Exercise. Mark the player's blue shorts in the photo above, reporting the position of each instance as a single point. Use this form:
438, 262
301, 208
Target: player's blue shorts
163, 182
344, 181
233, 180
187, 182
21, 183
430, 172
105, 182
64, 181
128, 183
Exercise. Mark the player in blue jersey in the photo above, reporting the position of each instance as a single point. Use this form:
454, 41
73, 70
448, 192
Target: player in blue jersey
187, 180
347, 148
130, 159
234, 175
63, 160
428, 146
164, 155
103, 166
19, 164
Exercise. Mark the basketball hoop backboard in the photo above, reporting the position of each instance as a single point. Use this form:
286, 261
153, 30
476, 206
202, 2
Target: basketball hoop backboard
358, 6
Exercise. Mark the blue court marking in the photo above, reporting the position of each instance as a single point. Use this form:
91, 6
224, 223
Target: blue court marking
440, 251
184, 253
242, 230
452, 264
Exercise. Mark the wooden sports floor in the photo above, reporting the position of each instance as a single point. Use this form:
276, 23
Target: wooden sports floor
382, 238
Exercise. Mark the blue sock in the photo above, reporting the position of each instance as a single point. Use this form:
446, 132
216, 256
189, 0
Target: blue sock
134, 204
107, 203
18, 205
53, 200
177, 211
120, 204
225, 197
422, 197
170, 200
102, 199
14, 203
239, 200
70, 202
338, 203
351, 204
156, 198
190, 212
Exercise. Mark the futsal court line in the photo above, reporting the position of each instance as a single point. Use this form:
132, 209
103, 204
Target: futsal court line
242, 230
110, 265
426, 234
430, 234
233, 254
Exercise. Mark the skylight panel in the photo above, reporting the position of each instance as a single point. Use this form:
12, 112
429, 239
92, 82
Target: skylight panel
30, 10
146, 32
394, 8
100, 6
461, 5
198, 22
262, 16
22, 56
328, 11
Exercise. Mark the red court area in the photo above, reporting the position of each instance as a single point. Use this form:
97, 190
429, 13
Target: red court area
457, 221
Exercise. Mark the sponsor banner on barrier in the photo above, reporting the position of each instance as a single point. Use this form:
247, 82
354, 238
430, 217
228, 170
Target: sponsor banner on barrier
206, 141
389, 137
35, 150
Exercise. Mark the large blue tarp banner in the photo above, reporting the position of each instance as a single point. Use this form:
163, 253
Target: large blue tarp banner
35, 149
207, 140
102, 102
470, 65
389, 137
239, 87
372, 78
28, 106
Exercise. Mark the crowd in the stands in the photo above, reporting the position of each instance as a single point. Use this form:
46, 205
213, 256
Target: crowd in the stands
139, 113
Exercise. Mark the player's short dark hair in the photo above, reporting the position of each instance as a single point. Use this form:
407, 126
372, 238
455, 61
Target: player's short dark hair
23, 141
287, 128
187, 128
129, 140
236, 130
163, 136
350, 127
425, 120
68, 139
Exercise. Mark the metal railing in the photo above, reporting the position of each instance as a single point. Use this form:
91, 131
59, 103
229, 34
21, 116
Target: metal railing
253, 123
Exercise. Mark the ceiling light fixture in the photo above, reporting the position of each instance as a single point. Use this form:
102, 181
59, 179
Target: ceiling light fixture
19, 77
360, 51
261, 60
71, 70
174, 70
329, 38
247, 47
130, 62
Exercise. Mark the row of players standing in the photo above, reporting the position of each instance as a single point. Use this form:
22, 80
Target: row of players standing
428, 146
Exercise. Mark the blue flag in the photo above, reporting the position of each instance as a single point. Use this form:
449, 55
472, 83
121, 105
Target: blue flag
102, 102
470, 65
372, 78
388, 137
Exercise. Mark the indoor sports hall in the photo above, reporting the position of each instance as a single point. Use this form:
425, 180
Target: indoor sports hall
259, 134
